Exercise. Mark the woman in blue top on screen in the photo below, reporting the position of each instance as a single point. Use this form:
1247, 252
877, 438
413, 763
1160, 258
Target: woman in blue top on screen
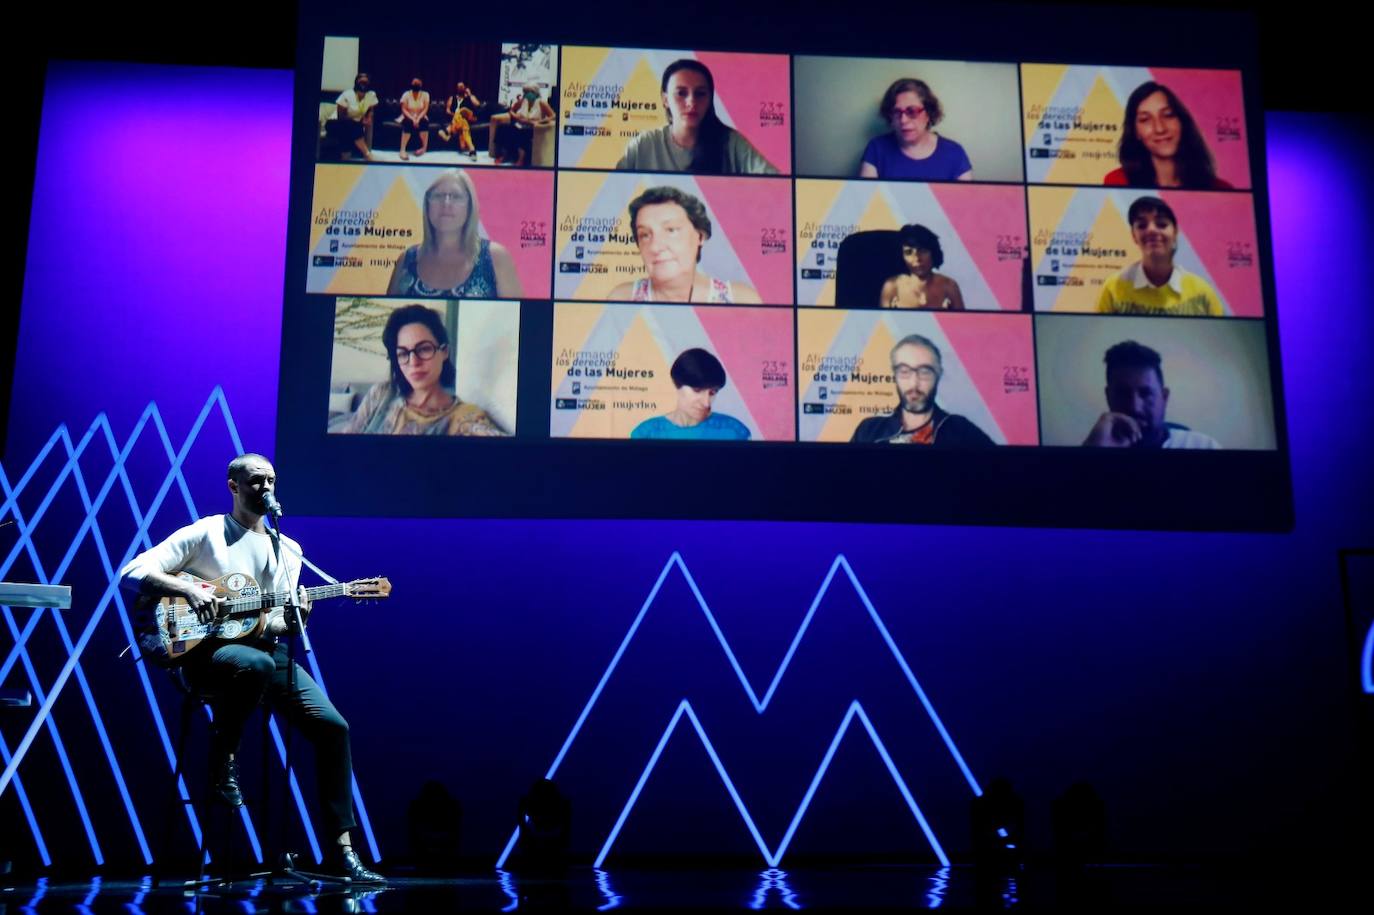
699, 376
1161, 145
695, 139
454, 261
913, 149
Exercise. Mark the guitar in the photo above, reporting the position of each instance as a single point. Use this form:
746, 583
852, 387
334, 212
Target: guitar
169, 630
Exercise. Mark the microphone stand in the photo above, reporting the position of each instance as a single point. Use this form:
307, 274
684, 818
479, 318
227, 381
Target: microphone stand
286, 860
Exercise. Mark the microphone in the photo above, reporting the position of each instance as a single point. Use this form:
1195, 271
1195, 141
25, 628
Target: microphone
269, 499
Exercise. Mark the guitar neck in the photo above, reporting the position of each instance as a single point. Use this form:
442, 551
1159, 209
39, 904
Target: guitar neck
280, 598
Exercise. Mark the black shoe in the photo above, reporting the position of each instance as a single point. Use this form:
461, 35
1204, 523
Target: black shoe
224, 781
352, 867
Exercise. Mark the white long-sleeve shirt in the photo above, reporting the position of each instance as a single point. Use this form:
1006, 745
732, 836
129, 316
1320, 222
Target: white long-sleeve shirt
215, 546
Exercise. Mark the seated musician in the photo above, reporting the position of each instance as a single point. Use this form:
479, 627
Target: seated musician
238, 675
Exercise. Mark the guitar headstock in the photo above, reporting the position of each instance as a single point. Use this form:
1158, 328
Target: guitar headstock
368, 589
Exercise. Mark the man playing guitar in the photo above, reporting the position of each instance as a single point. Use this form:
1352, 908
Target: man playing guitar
237, 675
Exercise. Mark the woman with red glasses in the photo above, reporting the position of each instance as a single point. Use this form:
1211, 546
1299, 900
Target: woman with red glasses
913, 149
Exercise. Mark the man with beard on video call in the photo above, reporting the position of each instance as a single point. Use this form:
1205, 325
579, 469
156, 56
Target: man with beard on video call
918, 419
1136, 401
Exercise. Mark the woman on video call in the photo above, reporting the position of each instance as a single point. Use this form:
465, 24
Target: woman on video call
1161, 145
698, 377
695, 139
453, 261
1155, 285
912, 148
670, 227
417, 399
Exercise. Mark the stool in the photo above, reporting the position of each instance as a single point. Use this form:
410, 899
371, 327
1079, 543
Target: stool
190, 702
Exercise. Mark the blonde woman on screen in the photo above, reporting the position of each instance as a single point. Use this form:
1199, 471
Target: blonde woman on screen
453, 261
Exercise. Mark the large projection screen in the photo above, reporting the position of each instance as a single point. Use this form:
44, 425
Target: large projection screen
648, 267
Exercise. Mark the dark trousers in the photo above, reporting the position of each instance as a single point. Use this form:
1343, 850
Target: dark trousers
236, 678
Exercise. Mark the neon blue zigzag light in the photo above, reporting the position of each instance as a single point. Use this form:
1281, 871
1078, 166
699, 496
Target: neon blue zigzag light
1367, 662
684, 710
99, 431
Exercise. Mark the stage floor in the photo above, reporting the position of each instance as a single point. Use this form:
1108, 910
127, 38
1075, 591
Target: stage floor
875, 888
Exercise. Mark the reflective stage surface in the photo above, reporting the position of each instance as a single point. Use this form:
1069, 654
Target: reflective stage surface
873, 888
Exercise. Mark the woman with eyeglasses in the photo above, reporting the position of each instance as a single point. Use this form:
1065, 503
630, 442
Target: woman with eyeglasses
913, 149
418, 399
453, 261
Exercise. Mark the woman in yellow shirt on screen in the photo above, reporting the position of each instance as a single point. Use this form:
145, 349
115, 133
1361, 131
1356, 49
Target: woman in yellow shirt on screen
1154, 285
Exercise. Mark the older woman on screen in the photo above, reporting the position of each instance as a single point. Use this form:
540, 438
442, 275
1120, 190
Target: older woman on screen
453, 261
670, 227
1161, 145
1155, 285
913, 149
698, 377
418, 398
919, 286
695, 139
